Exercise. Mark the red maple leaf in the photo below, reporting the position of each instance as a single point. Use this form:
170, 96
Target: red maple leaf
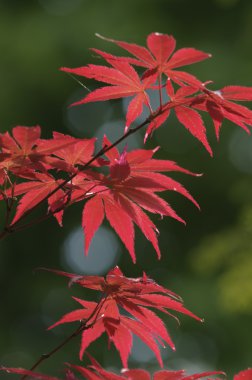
140, 374
135, 296
69, 157
123, 80
31, 158
218, 105
26, 150
159, 58
181, 103
37, 189
244, 375
39, 376
122, 195
96, 372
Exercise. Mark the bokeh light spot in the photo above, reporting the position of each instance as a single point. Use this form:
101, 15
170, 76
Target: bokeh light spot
103, 252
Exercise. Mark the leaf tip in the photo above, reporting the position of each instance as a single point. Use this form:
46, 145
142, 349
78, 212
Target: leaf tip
98, 35
197, 205
155, 149
65, 69
182, 221
146, 137
123, 370
126, 129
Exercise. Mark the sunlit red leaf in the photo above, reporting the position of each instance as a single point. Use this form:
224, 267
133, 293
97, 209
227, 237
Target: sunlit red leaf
124, 81
244, 375
137, 297
35, 192
158, 57
126, 193
194, 123
26, 372
93, 214
219, 106
237, 93
26, 150
79, 152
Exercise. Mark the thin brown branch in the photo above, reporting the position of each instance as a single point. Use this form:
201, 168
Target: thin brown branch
84, 325
43, 357
12, 228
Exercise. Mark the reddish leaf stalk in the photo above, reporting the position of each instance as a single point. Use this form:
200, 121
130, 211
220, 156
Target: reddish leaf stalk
160, 90
159, 59
9, 202
43, 357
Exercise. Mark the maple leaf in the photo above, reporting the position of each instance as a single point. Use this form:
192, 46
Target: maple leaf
35, 190
122, 195
26, 372
190, 118
244, 375
30, 157
159, 57
139, 374
26, 150
96, 372
135, 296
67, 158
2, 177
219, 106
16, 150
124, 82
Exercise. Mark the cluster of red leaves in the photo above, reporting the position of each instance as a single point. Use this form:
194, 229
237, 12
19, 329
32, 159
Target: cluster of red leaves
120, 187
26, 156
134, 178
123, 194
160, 60
96, 372
132, 295
129, 189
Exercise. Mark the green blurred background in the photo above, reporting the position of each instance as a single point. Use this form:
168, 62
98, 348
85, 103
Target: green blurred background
208, 262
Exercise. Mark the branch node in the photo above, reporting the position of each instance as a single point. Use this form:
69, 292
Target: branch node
45, 356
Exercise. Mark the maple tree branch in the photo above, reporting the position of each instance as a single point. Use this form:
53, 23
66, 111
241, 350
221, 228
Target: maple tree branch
42, 218
4, 233
83, 326
13, 227
9, 201
43, 357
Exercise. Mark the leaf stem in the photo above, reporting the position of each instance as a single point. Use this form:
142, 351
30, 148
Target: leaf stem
102, 151
43, 357
83, 326
13, 227
160, 90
